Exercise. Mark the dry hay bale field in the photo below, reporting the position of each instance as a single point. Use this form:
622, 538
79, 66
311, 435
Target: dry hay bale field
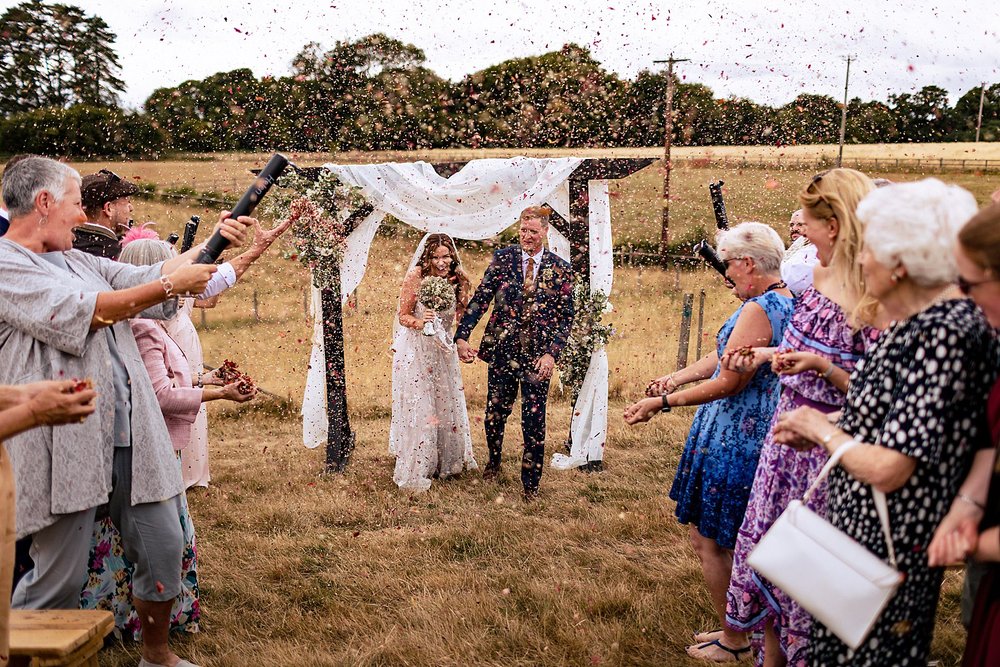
301, 568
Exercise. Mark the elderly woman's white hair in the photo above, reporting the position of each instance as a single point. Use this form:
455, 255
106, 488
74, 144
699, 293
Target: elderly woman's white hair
917, 225
145, 252
754, 240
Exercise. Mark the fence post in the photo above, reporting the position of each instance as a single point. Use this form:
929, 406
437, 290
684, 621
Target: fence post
685, 331
701, 322
204, 319
256, 309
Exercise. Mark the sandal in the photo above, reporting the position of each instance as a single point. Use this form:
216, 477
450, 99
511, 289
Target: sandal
707, 636
735, 654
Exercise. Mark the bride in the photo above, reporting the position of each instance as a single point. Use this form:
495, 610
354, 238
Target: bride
429, 432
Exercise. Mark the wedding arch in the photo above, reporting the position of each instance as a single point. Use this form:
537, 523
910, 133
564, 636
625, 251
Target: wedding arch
472, 200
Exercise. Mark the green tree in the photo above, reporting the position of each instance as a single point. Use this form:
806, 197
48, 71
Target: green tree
562, 98
809, 119
966, 112
82, 131
869, 123
923, 116
55, 56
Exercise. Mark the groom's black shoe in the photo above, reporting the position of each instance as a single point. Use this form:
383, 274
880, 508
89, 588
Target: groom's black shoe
530, 495
491, 472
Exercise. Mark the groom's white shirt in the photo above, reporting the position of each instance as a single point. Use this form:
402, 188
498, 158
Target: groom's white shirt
524, 262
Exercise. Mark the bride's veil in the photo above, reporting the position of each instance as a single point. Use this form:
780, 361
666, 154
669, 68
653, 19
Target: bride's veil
413, 262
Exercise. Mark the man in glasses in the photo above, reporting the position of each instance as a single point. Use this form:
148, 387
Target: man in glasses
109, 210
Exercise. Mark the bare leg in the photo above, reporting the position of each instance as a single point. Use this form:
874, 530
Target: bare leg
717, 567
773, 657
155, 620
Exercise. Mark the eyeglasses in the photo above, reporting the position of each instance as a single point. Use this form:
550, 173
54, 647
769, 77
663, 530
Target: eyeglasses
726, 261
965, 286
115, 178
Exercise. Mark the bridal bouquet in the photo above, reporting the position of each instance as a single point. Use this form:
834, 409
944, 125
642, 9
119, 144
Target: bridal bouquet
437, 294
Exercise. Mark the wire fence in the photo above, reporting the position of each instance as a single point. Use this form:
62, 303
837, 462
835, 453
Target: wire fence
874, 164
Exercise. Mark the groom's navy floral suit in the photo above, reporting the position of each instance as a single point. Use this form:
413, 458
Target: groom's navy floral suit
522, 328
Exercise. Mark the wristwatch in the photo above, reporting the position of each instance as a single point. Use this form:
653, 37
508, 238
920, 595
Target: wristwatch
666, 406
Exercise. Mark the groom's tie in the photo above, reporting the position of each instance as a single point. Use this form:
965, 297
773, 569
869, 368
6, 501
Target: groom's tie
529, 300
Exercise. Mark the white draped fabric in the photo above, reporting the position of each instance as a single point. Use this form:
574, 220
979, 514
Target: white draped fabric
478, 202
589, 427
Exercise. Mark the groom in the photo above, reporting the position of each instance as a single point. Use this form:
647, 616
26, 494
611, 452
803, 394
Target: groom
532, 291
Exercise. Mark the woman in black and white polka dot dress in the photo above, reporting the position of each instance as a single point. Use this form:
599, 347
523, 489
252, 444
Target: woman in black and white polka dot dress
916, 401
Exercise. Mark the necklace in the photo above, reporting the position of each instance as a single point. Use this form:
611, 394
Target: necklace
778, 285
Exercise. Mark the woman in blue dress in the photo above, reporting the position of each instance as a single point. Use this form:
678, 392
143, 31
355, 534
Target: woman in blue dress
717, 467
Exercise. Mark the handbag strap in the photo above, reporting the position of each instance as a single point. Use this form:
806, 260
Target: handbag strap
881, 505
830, 464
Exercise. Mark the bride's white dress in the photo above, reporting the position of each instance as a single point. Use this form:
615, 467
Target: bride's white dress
429, 432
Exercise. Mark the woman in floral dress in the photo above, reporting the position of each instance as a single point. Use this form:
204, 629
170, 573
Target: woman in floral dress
819, 351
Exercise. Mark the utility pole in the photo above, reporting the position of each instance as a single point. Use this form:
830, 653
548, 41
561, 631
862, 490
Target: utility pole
668, 115
979, 120
843, 113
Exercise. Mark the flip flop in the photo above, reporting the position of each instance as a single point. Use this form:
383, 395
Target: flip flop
736, 653
707, 636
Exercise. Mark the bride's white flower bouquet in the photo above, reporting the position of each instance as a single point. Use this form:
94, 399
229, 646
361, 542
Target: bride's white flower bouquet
437, 294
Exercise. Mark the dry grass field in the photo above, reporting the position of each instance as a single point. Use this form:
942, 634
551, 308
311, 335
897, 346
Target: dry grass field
301, 568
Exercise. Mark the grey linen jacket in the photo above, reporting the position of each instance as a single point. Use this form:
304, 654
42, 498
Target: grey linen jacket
45, 315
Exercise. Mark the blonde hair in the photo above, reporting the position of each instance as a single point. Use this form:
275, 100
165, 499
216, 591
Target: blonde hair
980, 239
540, 212
836, 194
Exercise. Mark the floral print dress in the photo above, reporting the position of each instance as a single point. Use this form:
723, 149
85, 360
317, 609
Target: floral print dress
783, 474
717, 467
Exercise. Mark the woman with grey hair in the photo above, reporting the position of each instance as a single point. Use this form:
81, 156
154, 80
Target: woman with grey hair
916, 403
64, 314
716, 470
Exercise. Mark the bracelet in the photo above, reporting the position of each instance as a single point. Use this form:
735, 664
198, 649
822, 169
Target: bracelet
829, 372
200, 384
972, 501
825, 440
665, 407
167, 285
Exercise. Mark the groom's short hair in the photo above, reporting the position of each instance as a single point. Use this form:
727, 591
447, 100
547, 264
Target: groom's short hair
540, 212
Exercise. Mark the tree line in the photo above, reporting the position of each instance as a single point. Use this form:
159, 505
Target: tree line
59, 83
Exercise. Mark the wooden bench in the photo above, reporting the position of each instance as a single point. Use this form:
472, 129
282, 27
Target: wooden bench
59, 637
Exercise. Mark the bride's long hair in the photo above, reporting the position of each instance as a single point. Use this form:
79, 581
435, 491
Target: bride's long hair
456, 272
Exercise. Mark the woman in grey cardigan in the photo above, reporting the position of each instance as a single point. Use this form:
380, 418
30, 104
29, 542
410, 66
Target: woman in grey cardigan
64, 314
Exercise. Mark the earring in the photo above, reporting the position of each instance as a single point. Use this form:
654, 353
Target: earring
895, 277
44, 219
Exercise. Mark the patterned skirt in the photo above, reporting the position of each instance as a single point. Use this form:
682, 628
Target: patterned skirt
783, 475
109, 583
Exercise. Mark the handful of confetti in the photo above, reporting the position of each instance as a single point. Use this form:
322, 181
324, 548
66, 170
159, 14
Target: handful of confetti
780, 363
80, 385
230, 372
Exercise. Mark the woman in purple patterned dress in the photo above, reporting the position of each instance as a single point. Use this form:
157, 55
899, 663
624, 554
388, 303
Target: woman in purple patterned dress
820, 349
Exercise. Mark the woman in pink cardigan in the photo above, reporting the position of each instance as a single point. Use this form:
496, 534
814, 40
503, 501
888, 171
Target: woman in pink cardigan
180, 396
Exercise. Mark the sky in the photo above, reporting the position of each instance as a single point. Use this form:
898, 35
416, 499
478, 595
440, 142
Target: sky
765, 50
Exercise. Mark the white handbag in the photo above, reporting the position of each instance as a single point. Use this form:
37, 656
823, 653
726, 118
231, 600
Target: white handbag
838, 581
